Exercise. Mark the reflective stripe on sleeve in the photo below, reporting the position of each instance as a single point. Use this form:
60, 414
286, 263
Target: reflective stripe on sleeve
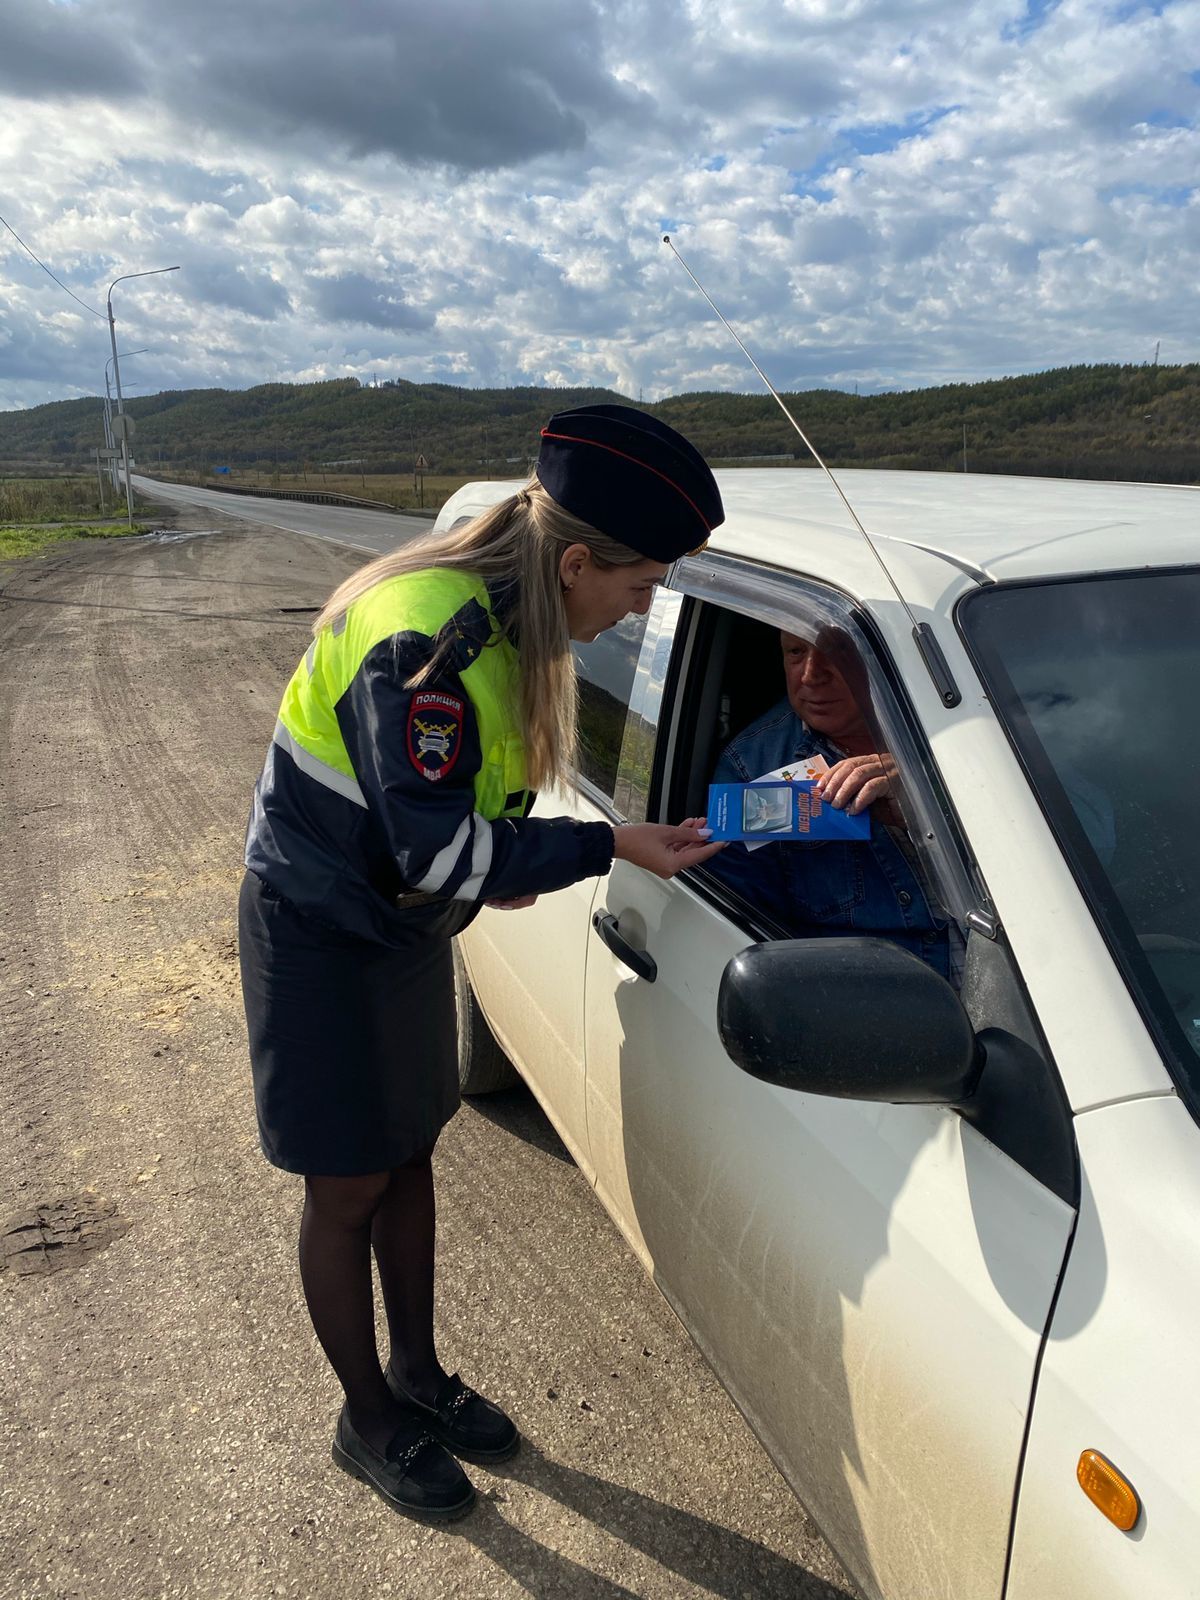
444, 862
481, 860
319, 771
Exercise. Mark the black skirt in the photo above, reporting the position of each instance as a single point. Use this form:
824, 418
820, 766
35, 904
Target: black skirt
352, 1044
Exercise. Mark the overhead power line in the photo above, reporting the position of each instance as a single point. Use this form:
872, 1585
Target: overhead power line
49, 274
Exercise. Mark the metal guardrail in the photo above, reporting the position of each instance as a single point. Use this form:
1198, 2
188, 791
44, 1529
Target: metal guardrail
318, 497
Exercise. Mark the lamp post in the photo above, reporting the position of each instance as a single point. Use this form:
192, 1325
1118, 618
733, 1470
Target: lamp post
112, 333
99, 474
108, 411
108, 433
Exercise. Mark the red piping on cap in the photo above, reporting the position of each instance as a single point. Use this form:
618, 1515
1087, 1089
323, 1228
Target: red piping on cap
570, 438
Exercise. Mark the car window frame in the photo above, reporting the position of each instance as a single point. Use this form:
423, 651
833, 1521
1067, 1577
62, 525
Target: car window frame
773, 596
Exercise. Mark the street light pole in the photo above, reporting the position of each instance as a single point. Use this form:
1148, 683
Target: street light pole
112, 334
108, 412
108, 433
99, 474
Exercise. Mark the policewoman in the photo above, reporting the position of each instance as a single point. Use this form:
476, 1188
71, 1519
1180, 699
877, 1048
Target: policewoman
437, 697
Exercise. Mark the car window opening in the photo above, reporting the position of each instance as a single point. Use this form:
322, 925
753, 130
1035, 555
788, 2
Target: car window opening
754, 701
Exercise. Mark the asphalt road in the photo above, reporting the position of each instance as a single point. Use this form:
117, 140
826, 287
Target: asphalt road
166, 1415
376, 531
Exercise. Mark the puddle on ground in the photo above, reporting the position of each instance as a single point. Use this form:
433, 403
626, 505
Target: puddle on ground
58, 1234
177, 535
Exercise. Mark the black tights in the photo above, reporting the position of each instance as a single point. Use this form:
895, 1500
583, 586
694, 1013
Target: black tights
345, 1219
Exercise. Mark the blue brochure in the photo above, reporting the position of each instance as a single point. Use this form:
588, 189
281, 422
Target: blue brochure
765, 813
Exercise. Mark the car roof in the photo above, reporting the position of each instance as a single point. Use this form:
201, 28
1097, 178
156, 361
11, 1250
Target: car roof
937, 532
993, 527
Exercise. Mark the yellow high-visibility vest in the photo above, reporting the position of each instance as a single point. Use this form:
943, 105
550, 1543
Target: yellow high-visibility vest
425, 603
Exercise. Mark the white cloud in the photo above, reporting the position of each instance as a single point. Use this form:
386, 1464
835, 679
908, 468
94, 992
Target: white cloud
888, 192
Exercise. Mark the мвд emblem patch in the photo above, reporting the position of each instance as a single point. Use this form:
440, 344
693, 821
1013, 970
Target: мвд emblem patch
435, 725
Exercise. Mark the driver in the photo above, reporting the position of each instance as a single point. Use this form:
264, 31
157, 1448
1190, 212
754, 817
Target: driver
815, 887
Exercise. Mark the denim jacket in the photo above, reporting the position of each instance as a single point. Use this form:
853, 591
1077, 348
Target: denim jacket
824, 886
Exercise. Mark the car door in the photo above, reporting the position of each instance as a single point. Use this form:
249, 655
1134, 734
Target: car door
871, 1282
527, 967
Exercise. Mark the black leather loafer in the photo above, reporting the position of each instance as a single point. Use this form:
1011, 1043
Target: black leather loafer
463, 1421
416, 1476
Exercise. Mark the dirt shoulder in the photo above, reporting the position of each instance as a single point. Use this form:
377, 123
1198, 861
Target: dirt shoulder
166, 1412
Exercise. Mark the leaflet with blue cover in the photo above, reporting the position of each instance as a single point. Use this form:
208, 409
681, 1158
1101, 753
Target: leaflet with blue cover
764, 813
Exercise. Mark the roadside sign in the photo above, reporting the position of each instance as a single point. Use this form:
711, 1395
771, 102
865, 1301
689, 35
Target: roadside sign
421, 465
123, 425
108, 454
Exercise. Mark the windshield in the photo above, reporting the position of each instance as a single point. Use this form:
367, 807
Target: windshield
1097, 681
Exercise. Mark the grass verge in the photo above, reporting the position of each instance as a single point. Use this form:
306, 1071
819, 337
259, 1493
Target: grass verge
18, 541
48, 499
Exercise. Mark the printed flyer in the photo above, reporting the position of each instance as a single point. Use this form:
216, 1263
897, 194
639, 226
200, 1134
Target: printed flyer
765, 813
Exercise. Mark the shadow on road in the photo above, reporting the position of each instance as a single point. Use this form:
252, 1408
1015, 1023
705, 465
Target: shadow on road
516, 1111
716, 1559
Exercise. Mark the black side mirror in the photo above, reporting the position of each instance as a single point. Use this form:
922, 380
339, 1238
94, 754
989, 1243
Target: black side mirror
858, 1018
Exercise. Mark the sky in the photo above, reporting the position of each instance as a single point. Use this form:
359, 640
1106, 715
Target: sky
877, 193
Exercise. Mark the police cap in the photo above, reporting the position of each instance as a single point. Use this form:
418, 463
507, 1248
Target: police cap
631, 477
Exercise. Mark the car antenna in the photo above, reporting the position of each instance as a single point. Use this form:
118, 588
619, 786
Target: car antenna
923, 635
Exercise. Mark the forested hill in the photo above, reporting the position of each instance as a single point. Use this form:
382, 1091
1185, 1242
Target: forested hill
1133, 422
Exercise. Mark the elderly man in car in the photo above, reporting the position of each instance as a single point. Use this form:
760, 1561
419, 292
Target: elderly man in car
833, 886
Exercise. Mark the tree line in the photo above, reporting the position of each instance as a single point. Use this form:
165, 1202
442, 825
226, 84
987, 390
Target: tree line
1094, 421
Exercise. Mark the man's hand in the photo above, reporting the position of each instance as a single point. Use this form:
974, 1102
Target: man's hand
519, 904
663, 850
858, 782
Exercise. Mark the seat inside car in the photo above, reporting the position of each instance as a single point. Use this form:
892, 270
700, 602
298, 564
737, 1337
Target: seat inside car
743, 677
753, 679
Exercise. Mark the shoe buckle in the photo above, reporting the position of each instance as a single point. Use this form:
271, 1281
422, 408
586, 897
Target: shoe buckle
406, 1458
458, 1402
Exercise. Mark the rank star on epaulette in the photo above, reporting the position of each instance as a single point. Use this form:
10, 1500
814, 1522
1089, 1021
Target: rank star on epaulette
435, 725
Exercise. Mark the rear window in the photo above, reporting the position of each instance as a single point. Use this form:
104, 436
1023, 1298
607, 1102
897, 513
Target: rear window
1097, 681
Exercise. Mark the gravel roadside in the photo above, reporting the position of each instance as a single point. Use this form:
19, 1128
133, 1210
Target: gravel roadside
166, 1412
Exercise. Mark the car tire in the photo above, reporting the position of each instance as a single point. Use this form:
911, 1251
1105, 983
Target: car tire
483, 1068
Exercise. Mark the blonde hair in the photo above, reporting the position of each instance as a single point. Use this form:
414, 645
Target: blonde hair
520, 542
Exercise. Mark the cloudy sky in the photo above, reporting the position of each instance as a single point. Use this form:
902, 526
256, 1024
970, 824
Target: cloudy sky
887, 193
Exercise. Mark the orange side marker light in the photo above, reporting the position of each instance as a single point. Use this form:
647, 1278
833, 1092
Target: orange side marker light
1108, 1490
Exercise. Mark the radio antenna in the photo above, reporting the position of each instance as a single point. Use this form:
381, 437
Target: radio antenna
923, 635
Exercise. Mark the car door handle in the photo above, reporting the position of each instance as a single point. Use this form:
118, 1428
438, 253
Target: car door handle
639, 961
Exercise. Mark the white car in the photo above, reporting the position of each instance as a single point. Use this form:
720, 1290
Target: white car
941, 1244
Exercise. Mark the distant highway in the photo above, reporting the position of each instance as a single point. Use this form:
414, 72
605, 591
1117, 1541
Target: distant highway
377, 531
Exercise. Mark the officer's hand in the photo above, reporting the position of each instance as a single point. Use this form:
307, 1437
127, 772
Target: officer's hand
518, 904
664, 850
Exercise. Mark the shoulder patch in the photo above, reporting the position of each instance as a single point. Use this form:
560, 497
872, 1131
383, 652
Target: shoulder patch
434, 736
